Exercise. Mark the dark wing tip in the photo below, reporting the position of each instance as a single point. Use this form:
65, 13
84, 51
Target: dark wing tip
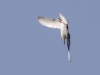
39, 17
68, 41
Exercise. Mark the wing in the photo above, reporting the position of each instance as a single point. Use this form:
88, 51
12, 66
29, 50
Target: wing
68, 44
68, 40
52, 23
63, 18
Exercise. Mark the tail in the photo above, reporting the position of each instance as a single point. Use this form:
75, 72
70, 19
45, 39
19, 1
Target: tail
69, 57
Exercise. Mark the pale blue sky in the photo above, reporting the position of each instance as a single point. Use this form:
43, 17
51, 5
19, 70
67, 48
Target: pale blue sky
28, 48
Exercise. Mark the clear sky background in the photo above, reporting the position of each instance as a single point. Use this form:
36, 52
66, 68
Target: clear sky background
28, 48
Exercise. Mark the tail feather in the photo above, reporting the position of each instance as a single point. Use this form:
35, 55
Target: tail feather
69, 57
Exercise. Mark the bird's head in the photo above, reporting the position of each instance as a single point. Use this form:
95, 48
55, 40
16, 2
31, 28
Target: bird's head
60, 20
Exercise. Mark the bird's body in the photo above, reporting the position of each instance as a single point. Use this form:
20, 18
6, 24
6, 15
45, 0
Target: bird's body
60, 23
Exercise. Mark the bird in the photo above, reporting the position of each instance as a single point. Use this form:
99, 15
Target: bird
58, 23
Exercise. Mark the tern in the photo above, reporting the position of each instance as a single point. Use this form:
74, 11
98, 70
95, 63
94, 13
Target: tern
59, 23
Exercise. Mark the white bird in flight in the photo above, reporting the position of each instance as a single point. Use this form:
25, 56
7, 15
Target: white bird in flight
60, 23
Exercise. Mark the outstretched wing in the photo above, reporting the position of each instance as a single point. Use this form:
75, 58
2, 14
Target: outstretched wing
63, 18
52, 23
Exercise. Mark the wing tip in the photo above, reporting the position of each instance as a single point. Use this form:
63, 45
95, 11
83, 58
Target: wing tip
39, 17
60, 14
69, 57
